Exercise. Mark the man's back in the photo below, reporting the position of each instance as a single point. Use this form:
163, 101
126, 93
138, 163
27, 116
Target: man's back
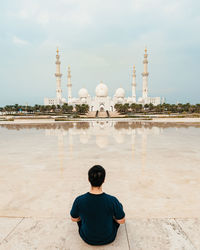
97, 226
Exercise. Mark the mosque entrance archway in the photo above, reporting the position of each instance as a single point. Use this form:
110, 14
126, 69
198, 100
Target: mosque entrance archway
101, 107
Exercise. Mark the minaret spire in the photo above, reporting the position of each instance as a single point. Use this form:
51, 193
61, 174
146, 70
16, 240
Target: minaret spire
69, 84
145, 76
134, 85
58, 76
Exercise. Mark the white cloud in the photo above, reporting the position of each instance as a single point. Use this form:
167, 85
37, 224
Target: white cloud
100, 37
18, 41
43, 18
23, 14
33, 13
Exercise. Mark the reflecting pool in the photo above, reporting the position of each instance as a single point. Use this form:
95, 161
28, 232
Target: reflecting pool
154, 169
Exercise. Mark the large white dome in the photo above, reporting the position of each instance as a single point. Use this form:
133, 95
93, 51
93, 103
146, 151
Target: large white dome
101, 90
120, 93
83, 93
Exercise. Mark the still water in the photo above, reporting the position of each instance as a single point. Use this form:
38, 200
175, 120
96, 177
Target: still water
154, 169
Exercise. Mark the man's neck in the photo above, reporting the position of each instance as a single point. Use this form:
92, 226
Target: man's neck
96, 190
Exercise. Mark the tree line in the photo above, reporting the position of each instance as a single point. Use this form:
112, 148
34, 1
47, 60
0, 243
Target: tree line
126, 108
164, 108
45, 109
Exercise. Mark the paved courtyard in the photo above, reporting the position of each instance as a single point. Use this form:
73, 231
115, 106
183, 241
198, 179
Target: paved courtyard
152, 169
56, 233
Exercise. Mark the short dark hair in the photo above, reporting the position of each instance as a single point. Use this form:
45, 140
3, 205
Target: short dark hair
96, 175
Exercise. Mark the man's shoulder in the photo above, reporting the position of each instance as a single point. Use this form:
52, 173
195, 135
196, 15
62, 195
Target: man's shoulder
111, 197
81, 197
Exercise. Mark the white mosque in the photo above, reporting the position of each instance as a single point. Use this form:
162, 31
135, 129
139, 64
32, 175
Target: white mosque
101, 101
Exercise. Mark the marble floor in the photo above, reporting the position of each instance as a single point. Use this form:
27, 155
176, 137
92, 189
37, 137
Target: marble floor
148, 234
153, 169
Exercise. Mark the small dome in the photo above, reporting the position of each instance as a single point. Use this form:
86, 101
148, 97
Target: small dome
101, 90
120, 93
64, 100
74, 99
83, 99
83, 93
120, 100
129, 100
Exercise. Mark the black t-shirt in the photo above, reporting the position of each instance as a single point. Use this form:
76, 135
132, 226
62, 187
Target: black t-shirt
96, 212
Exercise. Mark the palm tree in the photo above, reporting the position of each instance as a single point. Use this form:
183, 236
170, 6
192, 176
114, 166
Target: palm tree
8, 109
197, 108
42, 108
82, 109
36, 108
118, 106
16, 107
67, 108
122, 108
151, 106
53, 107
138, 108
133, 107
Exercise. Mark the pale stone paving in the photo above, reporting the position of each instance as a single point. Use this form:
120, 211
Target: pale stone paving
42, 175
137, 234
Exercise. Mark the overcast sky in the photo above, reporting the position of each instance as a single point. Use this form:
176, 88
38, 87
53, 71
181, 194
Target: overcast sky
101, 40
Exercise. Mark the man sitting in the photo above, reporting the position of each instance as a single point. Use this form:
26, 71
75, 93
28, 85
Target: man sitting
98, 214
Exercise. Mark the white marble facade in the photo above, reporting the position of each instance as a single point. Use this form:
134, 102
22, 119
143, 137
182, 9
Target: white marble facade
102, 101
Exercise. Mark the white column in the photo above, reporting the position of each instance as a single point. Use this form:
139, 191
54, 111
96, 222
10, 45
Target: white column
145, 76
58, 76
69, 85
134, 85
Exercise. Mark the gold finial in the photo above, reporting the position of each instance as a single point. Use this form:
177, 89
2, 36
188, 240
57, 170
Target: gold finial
134, 69
68, 72
57, 50
145, 49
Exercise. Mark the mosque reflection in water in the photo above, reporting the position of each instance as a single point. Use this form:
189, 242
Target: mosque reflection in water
138, 139
103, 132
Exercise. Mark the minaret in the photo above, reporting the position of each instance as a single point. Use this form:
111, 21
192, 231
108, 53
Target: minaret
134, 85
69, 85
58, 76
145, 76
